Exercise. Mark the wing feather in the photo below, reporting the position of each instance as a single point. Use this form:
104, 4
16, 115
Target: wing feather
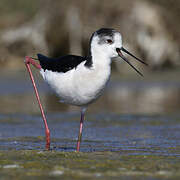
62, 64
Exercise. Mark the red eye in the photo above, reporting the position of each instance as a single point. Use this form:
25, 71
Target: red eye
109, 41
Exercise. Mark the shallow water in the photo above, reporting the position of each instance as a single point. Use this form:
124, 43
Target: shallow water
130, 134
132, 131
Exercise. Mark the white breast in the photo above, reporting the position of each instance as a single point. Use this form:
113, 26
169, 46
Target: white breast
79, 86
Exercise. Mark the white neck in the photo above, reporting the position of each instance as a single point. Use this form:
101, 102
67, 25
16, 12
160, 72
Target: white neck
100, 58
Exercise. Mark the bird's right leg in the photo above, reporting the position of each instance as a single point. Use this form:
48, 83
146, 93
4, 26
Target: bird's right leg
28, 61
83, 110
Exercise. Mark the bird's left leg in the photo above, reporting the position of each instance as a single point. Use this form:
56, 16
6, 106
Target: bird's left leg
83, 110
28, 61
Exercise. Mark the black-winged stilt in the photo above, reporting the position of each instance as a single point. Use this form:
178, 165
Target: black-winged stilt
80, 80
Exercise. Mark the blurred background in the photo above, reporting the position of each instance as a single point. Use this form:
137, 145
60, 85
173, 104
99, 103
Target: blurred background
150, 30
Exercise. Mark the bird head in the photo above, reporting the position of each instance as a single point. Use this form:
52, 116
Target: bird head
108, 42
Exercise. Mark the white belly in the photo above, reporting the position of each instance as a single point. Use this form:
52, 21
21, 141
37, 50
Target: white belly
79, 86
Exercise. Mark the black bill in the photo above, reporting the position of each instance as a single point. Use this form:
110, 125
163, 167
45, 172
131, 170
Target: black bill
125, 59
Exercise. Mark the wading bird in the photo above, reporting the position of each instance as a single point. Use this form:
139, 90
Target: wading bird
80, 80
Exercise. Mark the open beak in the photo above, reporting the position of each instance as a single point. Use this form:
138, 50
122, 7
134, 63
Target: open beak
125, 59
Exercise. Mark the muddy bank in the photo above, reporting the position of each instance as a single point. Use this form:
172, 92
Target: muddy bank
97, 165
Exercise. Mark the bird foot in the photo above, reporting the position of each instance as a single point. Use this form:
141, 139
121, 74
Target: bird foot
29, 60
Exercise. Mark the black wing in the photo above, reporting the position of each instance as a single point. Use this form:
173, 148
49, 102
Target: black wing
61, 64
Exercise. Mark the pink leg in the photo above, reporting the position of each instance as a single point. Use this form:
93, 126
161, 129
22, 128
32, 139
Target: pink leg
28, 61
80, 128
